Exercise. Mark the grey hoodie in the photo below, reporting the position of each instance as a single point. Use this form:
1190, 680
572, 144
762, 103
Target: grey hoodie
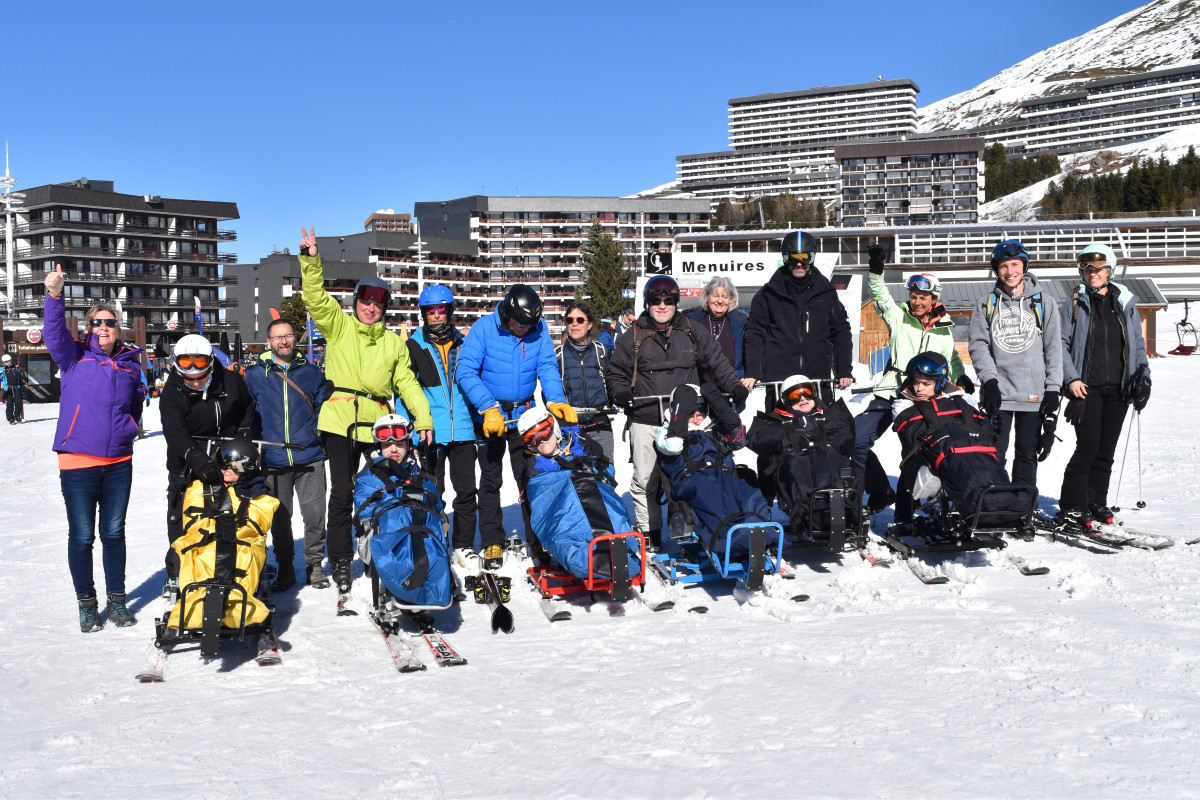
1027, 362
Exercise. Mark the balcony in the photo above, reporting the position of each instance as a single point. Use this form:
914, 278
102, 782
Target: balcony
36, 251
39, 276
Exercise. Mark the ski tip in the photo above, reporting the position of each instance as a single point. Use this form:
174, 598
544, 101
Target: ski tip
698, 610
800, 598
149, 678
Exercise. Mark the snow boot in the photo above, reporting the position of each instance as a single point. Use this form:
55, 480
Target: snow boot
118, 613
493, 557
285, 578
315, 574
342, 576
89, 615
467, 559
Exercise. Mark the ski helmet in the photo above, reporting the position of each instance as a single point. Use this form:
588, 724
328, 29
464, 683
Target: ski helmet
373, 289
660, 288
1095, 255
1009, 248
791, 389
931, 365
521, 305
192, 356
925, 282
536, 424
798, 248
436, 295
7, 359
391, 427
240, 455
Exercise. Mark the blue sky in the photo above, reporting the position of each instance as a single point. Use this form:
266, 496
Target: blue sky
322, 113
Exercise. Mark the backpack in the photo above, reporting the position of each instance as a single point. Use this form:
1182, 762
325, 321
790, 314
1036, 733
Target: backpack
1039, 311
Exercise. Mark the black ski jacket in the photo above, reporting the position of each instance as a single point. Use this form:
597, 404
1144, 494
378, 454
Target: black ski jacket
797, 329
225, 408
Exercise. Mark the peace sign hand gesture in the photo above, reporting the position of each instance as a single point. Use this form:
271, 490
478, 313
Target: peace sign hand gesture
308, 242
55, 281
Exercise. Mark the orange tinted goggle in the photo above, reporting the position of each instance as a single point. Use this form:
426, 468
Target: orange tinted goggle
193, 362
795, 394
539, 433
1094, 260
801, 258
390, 433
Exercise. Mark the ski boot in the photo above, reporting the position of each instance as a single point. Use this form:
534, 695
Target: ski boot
89, 615
118, 613
170, 591
1104, 514
493, 557
342, 576
1074, 519
540, 555
315, 575
467, 560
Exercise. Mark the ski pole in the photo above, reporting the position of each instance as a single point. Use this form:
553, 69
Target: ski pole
1141, 503
1121, 474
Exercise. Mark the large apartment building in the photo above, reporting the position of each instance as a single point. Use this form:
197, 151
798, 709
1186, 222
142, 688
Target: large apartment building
155, 255
910, 182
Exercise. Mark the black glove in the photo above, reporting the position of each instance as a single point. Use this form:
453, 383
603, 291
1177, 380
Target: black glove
740, 392
1139, 388
623, 398
1049, 405
875, 259
683, 403
966, 384
1074, 412
719, 408
1049, 424
991, 396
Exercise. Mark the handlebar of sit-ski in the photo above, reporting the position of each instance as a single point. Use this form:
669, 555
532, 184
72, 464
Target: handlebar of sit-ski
284, 445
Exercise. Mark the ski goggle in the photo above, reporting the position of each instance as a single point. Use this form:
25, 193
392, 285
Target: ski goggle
390, 433
238, 462
803, 390
801, 258
922, 283
539, 432
442, 309
107, 323
1093, 261
193, 362
373, 294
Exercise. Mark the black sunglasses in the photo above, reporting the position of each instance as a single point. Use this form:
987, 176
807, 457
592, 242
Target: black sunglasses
107, 323
578, 320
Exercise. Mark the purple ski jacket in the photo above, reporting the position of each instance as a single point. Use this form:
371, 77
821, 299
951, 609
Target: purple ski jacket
101, 398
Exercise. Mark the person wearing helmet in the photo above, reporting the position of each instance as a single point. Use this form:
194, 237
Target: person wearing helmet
661, 352
798, 324
1017, 353
434, 350
202, 403
921, 324
501, 364
15, 379
288, 393
1105, 370
540, 433
100, 408
366, 364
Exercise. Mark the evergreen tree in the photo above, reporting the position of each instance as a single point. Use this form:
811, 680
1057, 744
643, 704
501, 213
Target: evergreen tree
292, 309
602, 263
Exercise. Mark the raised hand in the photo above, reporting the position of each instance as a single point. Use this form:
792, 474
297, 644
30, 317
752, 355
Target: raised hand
308, 242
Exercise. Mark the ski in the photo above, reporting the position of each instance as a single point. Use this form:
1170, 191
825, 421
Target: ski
1194, 541
156, 664
1026, 568
443, 653
403, 657
268, 650
493, 591
343, 610
925, 573
1133, 538
553, 612
1114, 539
872, 559
656, 605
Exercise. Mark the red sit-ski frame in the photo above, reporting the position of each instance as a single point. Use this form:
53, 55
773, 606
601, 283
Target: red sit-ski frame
553, 580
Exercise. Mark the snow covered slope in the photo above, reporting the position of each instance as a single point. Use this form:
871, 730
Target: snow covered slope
1078, 684
1162, 33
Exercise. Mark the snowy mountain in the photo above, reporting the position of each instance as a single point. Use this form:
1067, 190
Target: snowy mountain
1162, 33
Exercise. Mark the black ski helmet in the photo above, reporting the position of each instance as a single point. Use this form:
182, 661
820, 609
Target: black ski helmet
798, 242
239, 454
931, 365
522, 305
658, 288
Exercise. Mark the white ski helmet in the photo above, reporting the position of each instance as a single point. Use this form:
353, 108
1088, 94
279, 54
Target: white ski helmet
192, 356
1095, 254
538, 420
925, 282
386, 427
7, 359
794, 382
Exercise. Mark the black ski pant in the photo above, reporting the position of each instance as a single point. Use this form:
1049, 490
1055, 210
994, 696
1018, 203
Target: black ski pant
14, 410
461, 457
175, 488
491, 478
1086, 478
1028, 425
344, 455
904, 488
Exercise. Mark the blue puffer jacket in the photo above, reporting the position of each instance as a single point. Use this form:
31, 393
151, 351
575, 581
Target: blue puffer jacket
497, 367
583, 378
447, 404
737, 325
283, 415
1076, 319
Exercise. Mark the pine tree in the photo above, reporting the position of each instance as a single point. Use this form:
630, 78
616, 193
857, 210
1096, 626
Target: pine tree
602, 264
292, 309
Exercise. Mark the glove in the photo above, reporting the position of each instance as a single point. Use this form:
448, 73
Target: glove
991, 396
1074, 412
740, 392
1049, 424
683, 402
1049, 406
1139, 388
493, 422
563, 412
719, 408
966, 384
623, 398
875, 259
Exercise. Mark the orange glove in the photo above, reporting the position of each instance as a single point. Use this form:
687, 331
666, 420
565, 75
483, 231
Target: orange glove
563, 412
493, 422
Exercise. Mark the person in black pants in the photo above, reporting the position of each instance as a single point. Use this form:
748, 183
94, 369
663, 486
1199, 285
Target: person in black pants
1105, 370
14, 383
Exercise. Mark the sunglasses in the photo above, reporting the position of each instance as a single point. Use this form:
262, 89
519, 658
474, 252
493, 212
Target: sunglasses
107, 323
374, 294
794, 395
435, 309
390, 433
193, 362
539, 433
803, 259
575, 320
663, 299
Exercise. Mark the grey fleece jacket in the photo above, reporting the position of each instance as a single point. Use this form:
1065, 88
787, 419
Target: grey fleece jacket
1025, 360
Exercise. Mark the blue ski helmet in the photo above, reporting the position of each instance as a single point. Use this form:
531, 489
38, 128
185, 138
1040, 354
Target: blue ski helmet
1009, 248
435, 295
931, 365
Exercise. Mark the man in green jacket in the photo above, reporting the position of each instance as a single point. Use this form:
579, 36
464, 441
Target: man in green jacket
918, 326
366, 365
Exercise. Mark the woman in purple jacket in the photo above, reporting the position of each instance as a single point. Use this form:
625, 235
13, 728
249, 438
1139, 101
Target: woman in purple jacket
99, 410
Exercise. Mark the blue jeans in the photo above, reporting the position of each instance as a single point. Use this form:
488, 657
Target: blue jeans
85, 490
